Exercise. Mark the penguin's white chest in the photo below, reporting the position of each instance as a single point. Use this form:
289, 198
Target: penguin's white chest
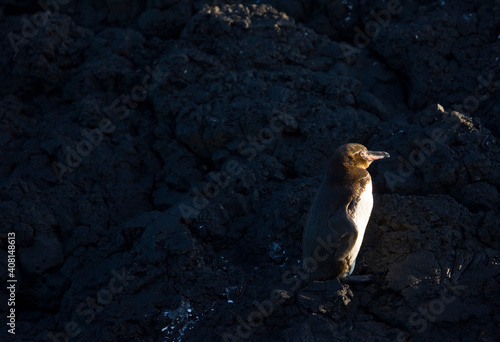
360, 215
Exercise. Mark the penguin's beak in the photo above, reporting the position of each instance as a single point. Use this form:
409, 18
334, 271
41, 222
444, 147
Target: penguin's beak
374, 155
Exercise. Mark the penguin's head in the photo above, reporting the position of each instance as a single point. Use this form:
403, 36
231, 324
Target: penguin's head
357, 155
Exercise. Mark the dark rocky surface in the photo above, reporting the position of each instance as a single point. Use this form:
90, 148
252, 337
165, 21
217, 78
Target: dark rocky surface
158, 160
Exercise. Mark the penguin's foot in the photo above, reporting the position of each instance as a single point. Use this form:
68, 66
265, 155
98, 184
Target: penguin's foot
359, 279
329, 298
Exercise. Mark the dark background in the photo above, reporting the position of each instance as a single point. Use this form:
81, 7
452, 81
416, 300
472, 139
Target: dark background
120, 117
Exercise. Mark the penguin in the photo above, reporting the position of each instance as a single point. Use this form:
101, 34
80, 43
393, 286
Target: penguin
339, 213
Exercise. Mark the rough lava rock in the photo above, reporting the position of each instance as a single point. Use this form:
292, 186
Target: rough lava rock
158, 161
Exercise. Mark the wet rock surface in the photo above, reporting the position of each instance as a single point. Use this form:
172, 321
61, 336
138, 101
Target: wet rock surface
158, 162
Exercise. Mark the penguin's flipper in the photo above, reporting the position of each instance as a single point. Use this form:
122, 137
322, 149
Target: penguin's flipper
345, 233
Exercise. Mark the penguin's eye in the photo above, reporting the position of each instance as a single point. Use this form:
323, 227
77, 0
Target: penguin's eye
364, 155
